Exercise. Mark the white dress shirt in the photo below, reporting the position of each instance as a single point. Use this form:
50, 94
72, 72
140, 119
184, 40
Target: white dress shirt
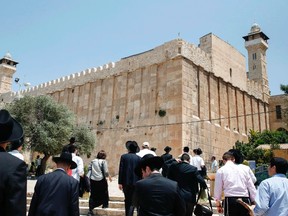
234, 181
197, 161
249, 171
143, 152
79, 170
17, 154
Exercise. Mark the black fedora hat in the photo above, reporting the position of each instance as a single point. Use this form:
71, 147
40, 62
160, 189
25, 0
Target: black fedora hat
65, 157
154, 162
10, 129
132, 146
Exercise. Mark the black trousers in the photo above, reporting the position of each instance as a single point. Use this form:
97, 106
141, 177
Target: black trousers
233, 208
99, 194
128, 194
189, 208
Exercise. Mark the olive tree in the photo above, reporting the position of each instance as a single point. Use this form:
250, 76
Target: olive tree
48, 126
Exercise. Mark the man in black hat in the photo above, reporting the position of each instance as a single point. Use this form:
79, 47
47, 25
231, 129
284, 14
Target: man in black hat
56, 193
13, 178
155, 194
127, 178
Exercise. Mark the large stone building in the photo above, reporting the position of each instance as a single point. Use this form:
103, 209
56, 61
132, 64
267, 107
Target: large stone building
176, 94
278, 105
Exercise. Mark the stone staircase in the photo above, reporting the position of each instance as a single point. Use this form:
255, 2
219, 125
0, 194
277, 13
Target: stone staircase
116, 203
116, 207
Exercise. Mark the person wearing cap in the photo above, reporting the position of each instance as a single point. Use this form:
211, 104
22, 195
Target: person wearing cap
13, 174
145, 150
155, 194
56, 193
126, 176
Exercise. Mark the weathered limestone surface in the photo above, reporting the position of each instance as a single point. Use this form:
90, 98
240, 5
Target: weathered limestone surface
206, 104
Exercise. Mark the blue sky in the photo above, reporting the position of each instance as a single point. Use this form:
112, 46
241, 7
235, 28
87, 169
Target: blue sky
51, 39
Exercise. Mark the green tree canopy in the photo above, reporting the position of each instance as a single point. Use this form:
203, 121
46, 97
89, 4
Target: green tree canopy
85, 140
284, 88
48, 126
256, 138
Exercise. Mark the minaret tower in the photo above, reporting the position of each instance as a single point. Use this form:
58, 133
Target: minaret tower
7, 69
256, 43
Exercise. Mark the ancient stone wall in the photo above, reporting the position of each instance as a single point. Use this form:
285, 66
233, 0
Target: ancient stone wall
282, 101
170, 95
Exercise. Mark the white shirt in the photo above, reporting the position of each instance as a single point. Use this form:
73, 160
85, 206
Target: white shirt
197, 161
249, 171
234, 181
79, 170
17, 154
143, 152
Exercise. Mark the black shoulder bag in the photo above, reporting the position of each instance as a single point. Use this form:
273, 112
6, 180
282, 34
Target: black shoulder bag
102, 169
203, 210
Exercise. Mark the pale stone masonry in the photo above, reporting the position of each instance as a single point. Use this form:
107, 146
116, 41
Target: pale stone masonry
175, 94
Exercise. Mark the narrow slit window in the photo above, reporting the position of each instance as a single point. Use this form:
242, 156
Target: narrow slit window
278, 112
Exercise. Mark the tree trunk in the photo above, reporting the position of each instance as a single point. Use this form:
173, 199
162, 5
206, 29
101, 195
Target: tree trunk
44, 163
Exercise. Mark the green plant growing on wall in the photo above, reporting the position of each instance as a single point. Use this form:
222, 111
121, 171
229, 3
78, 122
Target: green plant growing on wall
162, 113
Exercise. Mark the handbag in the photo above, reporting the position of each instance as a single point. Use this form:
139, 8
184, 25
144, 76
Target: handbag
203, 210
102, 170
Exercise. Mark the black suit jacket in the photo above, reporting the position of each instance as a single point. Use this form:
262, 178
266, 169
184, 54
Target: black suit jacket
188, 178
13, 185
166, 156
55, 194
157, 195
126, 175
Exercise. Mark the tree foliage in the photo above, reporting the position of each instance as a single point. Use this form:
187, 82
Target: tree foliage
256, 138
85, 140
284, 88
48, 126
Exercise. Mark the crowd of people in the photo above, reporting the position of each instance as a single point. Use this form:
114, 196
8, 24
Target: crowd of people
151, 184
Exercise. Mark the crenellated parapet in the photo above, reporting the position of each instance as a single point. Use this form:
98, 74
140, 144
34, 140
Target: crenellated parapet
70, 81
197, 56
169, 50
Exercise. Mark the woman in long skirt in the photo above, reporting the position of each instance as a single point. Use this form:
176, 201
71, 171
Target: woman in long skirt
97, 172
